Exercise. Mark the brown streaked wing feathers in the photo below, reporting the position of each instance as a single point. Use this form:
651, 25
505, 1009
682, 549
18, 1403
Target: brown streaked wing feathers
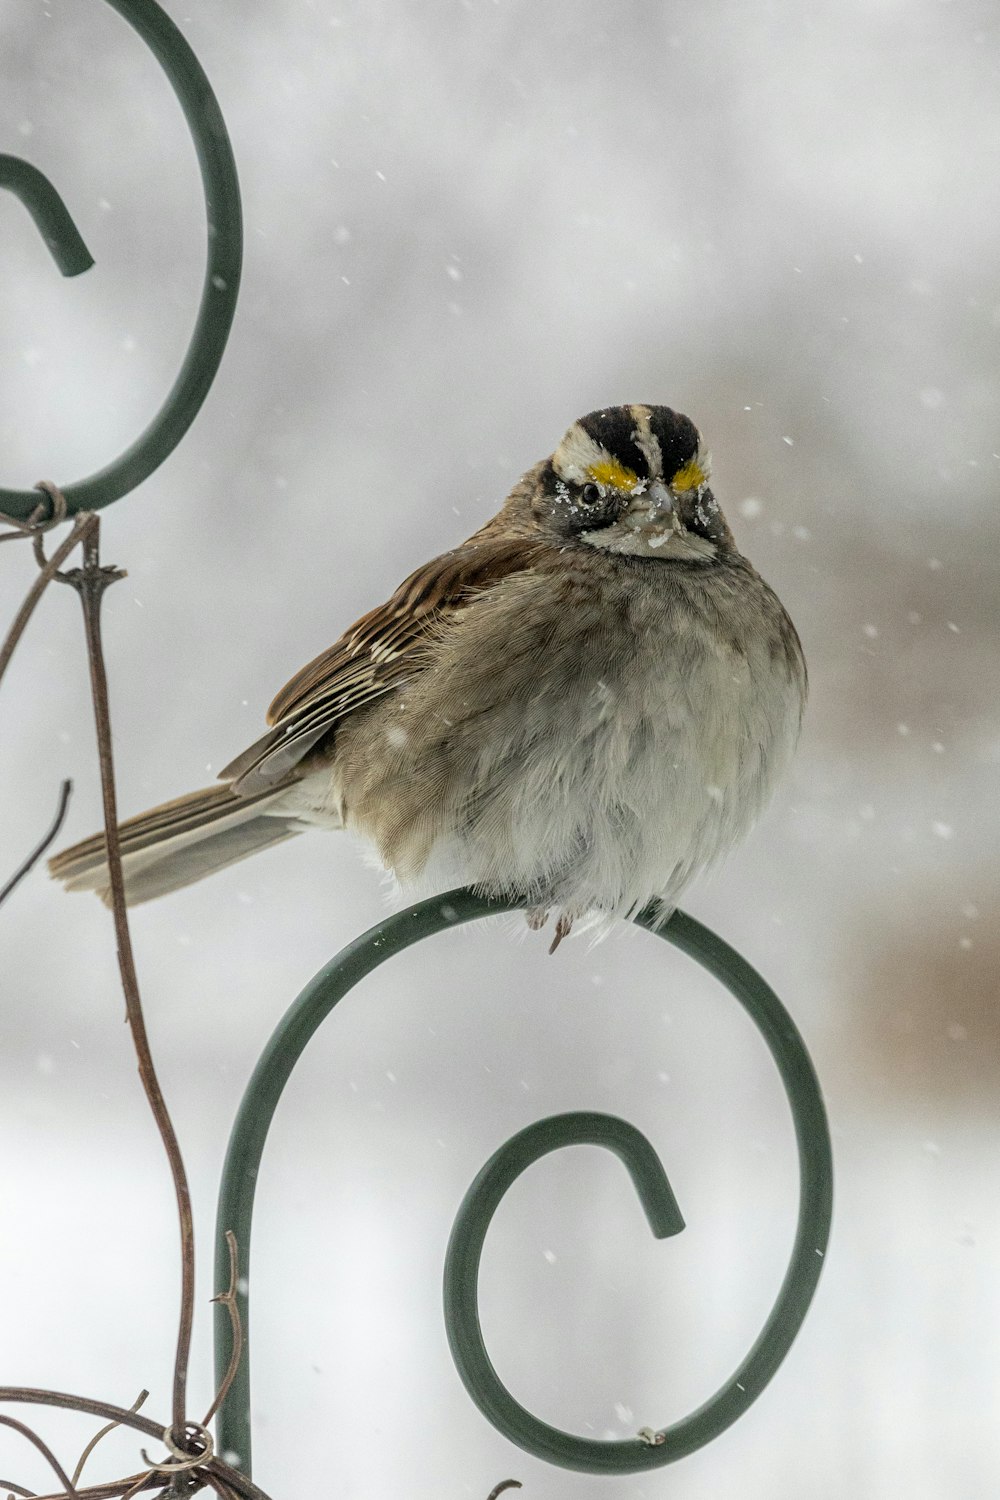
378, 652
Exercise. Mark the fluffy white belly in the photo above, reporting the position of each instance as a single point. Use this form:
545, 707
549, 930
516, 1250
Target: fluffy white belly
624, 791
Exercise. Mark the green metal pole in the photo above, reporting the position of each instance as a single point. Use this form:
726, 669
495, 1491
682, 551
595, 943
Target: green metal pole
253, 1121
461, 1271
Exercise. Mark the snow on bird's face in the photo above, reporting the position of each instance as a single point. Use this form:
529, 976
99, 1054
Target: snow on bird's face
634, 480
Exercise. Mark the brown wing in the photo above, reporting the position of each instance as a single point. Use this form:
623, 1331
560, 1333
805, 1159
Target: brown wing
379, 652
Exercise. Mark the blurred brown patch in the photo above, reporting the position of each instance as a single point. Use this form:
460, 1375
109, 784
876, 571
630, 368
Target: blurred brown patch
926, 1023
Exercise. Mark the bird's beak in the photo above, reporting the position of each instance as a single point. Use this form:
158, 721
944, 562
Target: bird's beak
661, 498
654, 510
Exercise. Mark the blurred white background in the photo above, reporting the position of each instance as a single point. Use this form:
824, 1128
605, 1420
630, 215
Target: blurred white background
466, 224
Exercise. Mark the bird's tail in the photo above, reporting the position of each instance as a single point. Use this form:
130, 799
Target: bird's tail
177, 843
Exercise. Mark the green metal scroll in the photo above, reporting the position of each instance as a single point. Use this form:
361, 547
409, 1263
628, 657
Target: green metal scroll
52, 218
222, 271
273, 1070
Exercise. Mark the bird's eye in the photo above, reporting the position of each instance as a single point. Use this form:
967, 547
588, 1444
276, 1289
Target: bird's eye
590, 495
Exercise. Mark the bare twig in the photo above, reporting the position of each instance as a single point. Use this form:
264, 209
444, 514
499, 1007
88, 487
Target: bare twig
45, 1451
237, 1482
112, 1490
202, 1467
83, 527
40, 848
42, 518
90, 581
32, 1396
103, 1432
142, 1482
15, 1489
220, 1487
183, 1459
228, 1300
505, 1484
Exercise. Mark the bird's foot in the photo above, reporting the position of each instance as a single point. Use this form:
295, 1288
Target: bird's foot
564, 926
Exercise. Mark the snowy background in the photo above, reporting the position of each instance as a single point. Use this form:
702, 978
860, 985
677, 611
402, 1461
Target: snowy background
467, 224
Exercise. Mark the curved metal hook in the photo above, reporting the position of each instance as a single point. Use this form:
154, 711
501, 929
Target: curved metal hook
222, 270
52, 217
465, 1247
783, 1323
275, 1066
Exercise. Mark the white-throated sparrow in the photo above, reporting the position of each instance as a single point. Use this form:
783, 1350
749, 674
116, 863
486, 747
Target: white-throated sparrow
582, 705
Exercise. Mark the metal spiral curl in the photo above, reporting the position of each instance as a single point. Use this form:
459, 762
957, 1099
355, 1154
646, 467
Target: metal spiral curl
222, 270
53, 219
275, 1066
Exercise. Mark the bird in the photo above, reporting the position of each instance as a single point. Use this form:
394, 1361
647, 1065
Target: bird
578, 709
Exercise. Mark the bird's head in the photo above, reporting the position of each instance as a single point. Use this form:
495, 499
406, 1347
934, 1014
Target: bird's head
632, 480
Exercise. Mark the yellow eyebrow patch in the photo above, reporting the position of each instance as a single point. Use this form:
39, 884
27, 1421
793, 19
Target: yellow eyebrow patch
609, 471
690, 477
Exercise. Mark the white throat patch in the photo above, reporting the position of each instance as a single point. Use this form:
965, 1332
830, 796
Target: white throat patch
660, 541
